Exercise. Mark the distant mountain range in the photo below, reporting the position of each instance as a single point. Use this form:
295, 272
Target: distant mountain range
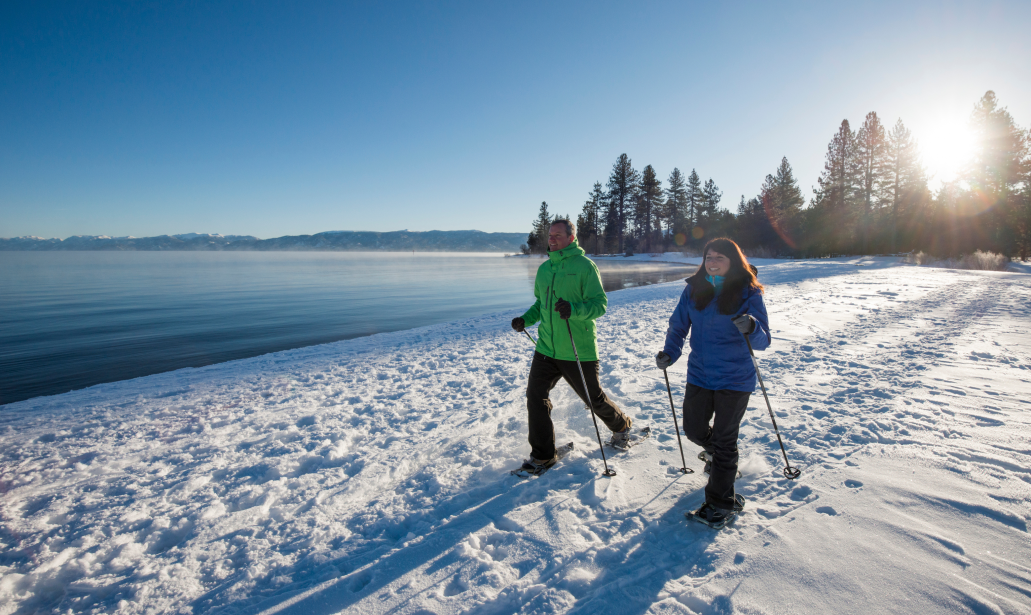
394, 241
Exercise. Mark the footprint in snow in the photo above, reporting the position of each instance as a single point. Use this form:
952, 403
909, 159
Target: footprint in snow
801, 493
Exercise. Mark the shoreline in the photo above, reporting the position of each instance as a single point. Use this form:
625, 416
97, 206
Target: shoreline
856, 261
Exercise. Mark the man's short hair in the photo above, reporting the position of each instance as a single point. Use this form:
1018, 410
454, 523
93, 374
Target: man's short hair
570, 227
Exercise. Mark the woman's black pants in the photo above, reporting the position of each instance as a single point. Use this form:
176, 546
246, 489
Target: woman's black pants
725, 409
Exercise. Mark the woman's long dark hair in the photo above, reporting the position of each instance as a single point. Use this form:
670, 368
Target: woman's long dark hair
740, 276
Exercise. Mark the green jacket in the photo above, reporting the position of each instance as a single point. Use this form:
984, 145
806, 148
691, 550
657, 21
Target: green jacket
569, 275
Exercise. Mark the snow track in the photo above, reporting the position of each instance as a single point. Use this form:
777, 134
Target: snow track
370, 476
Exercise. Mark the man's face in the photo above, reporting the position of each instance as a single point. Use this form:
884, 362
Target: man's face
558, 238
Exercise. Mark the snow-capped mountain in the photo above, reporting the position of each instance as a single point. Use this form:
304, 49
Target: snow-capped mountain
394, 241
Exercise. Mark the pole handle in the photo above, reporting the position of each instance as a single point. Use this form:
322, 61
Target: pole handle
530, 336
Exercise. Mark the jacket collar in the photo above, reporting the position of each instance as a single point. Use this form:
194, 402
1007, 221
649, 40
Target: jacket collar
573, 249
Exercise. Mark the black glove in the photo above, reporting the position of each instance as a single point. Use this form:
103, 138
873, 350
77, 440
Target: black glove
662, 360
744, 323
564, 309
519, 324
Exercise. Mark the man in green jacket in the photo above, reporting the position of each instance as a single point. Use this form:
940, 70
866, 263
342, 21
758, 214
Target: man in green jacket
568, 290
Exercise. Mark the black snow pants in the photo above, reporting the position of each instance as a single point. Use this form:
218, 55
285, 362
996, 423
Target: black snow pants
545, 373
719, 440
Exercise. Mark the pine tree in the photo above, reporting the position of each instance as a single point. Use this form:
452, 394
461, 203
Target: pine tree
587, 222
647, 212
675, 209
782, 202
599, 196
996, 173
834, 206
695, 199
752, 223
1024, 217
708, 212
542, 225
903, 181
871, 149
623, 186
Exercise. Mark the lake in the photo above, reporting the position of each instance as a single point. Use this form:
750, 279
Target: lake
70, 320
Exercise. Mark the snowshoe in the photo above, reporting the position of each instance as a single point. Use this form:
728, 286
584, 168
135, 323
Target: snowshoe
717, 518
623, 440
536, 467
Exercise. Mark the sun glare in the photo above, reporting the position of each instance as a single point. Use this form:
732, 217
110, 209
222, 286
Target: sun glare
945, 147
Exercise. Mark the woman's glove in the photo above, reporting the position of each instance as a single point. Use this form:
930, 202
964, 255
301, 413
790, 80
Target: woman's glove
519, 324
662, 360
744, 323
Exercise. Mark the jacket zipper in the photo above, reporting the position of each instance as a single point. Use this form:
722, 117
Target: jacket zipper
551, 312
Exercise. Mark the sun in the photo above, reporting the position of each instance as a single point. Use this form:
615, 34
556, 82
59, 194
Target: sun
946, 147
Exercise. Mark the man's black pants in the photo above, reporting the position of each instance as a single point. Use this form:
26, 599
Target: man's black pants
545, 373
720, 440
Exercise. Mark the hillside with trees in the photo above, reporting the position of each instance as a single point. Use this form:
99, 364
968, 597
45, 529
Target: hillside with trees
872, 197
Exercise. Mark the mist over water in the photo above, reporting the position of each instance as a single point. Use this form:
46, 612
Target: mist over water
69, 320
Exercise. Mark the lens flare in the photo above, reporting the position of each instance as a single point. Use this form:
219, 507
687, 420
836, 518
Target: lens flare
680, 238
698, 232
775, 223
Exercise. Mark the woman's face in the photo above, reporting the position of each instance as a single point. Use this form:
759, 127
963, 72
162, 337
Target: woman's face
716, 263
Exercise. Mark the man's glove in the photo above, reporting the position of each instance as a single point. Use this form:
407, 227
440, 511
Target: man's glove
662, 360
744, 323
519, 324
564, 309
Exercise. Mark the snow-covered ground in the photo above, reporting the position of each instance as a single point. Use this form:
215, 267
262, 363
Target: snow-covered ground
371, 475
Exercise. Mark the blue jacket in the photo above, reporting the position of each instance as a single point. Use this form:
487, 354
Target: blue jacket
719, 357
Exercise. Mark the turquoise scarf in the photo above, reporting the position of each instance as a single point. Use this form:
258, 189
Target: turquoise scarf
716, 281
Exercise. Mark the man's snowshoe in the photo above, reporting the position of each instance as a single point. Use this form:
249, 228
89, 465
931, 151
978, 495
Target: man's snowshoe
536, 467
624, 440
717, 518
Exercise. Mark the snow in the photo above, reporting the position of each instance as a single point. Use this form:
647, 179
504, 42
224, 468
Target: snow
371, 475
654, 257
1020, 266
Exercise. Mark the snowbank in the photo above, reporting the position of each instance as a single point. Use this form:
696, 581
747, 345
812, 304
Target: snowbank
370, 475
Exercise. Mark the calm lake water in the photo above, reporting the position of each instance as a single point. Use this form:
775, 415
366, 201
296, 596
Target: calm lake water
69, 320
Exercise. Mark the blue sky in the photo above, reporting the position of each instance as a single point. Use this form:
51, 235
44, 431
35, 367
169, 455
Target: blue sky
270, 119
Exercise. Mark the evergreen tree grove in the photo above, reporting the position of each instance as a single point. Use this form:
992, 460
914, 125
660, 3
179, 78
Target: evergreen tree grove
872, 196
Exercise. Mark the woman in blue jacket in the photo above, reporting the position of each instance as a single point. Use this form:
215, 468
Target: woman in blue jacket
721, 304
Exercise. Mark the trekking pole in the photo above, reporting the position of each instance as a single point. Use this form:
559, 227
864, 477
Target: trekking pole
789, 472
530, 336
684, 469
587, 394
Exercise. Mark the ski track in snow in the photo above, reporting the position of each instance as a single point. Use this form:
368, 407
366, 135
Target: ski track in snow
371, 475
